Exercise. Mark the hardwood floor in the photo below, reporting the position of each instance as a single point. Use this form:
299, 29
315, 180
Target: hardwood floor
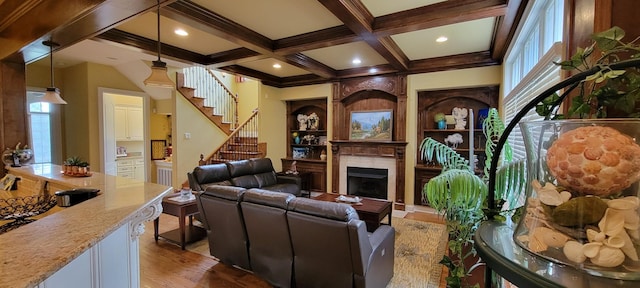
165, 265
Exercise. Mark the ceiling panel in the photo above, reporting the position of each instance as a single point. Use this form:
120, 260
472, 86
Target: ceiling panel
379, 8
341, 56
275, 19
266, 66
308, 38
197, 41
466, 37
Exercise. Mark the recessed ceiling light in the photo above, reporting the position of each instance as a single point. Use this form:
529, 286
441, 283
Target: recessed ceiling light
442, 39
356, 61
277, 66
181, 32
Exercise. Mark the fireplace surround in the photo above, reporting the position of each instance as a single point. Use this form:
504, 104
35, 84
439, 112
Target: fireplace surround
370, 94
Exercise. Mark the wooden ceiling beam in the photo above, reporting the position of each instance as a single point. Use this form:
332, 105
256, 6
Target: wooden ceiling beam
194, 15
357, 18
199, 17
266, 79
314, 40
438, 14
506, 28
149, 46
22, 22
303, 61
66, 23
460, 61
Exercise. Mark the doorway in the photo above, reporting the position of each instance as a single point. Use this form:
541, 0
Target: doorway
124, 132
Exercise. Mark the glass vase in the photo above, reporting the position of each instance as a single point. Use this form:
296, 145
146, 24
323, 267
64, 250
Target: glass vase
582, 195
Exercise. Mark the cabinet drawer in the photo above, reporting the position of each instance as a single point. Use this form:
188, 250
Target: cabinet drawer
138, 162
125, 169
126, 174
127, 162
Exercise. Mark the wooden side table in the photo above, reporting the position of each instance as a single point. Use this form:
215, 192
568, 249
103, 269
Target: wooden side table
184, 234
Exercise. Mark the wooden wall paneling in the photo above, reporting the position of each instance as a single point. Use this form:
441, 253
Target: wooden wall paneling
367, 94
13, 105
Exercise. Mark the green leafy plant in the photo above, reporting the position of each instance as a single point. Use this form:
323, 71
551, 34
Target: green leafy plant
608, 91
76, 161
438, 117
460, 195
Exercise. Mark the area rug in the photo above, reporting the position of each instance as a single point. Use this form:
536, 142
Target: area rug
418, 249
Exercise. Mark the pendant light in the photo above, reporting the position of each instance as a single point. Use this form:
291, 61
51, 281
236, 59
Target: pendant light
159, 77
52, 95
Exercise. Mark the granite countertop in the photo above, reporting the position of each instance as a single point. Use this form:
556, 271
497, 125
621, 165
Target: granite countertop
35, 251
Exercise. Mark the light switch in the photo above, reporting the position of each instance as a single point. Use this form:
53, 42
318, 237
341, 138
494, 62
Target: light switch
187, 135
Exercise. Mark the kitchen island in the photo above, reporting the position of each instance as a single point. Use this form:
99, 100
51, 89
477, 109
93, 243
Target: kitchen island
90, 244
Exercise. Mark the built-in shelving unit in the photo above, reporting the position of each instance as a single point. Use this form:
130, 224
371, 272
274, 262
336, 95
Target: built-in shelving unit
307, 154
443, 101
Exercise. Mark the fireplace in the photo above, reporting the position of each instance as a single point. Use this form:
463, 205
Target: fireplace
367, 182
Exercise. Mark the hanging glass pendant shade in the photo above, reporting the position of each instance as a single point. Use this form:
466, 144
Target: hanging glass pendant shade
159, 77
52, 95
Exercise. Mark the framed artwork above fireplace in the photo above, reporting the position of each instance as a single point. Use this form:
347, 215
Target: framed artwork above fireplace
373, 125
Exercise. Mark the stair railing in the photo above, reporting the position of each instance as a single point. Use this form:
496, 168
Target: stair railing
241, 144
215, 94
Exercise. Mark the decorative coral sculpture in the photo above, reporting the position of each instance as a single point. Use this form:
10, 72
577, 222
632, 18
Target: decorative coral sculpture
595, 160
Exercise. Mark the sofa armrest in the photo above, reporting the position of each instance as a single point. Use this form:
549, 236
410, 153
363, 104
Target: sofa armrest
380, 266
289, 179
193, 184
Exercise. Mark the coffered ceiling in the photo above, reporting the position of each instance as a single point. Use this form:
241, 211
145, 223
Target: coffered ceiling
313, 41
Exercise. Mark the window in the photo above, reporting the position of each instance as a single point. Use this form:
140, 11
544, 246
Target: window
40, 124
529, 68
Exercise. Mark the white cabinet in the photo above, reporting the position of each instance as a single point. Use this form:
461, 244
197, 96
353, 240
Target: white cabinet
128, 123
112, 262
138, 169
131, 168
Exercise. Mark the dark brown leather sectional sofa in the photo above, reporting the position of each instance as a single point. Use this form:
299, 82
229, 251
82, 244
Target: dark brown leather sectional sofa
252, 173
295, 242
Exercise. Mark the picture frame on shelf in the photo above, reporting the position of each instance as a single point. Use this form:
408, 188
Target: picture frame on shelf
373, 125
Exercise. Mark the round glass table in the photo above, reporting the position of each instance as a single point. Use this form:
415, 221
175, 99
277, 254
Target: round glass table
495, 245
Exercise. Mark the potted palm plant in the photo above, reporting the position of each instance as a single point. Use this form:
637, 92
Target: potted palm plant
459, 194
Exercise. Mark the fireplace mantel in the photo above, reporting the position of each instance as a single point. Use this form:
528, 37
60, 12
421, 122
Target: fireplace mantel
373, 149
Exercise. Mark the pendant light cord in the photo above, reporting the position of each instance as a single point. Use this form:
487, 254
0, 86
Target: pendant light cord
158, 26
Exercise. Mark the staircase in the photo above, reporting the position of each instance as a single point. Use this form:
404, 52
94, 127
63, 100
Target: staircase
241, 144
207, 93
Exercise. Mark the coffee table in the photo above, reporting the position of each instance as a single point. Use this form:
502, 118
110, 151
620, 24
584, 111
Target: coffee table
371, 210
181, 209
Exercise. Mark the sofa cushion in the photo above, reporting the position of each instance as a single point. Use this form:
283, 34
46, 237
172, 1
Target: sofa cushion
211, 173
284, 188
330, 210
231, 193
246, 181
239, 168
261, 165
266, 179
268, 198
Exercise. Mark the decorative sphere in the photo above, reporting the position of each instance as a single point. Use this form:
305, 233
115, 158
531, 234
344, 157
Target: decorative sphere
594, 160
